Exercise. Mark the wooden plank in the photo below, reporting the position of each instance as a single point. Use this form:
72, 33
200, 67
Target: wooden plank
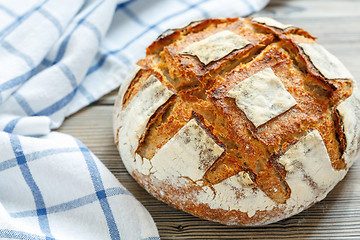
108, 99
315, 9
337, 24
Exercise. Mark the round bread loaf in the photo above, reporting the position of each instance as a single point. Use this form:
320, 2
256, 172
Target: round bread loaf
239, 121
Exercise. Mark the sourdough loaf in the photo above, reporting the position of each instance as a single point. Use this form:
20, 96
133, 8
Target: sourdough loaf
240, 121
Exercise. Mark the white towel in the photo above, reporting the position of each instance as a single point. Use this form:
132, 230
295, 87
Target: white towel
57, 56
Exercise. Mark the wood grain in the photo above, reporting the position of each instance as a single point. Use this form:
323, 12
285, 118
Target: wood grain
337, 26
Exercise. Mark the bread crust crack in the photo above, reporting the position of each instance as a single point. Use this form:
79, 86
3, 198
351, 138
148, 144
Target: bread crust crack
253, 151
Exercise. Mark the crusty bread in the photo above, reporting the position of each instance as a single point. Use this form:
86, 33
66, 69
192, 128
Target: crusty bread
239, 121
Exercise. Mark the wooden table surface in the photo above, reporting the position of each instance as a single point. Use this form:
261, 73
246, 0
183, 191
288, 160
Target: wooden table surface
337, 26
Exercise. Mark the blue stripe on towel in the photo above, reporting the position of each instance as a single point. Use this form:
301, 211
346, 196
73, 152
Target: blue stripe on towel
6, 31
26, 173
100, 192
52, 19
63, 207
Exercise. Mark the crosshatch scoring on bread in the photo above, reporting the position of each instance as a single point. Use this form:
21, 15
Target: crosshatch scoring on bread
239, 121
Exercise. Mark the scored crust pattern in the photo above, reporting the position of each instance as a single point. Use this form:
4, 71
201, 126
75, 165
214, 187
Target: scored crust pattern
215, 142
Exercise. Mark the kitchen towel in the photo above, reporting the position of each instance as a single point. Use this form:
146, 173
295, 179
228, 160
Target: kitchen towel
57, 56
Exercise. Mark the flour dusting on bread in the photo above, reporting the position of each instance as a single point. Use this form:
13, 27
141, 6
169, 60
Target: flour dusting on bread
325, 62
124, 86
309, 171
216, 46
228, 195
137, 114
349, 111
188, 154
262, 97
271, 22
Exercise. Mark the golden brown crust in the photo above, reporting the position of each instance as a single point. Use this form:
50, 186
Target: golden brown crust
202, 93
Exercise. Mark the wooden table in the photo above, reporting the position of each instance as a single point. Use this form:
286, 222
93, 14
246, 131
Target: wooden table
337, 25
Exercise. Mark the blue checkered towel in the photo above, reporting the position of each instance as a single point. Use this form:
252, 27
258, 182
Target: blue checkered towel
57, 56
